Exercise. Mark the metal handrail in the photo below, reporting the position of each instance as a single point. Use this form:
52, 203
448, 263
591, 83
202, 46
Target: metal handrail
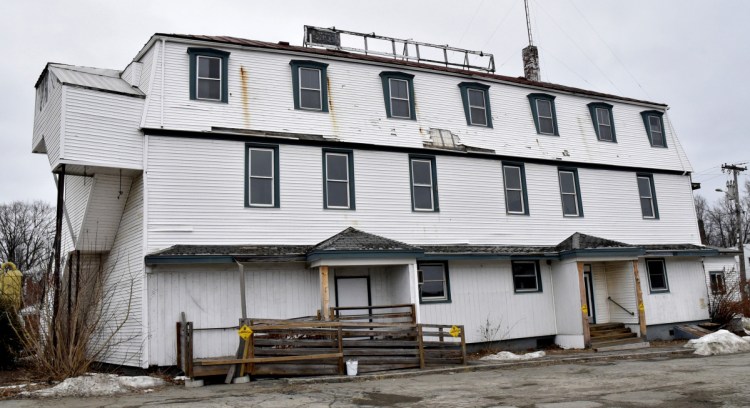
621, 307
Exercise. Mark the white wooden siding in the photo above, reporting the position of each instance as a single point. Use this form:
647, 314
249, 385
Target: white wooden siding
48, 121
124, 270
104, 211
196, 196
209, 296
482, 291
148, 61
567, 299
260, 97
103, 128
621, 288
77, 193
687, 296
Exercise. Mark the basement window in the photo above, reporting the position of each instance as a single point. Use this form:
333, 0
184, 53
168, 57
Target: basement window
208, 74
526, 276
603, 120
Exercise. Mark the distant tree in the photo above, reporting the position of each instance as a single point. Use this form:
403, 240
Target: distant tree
720, 221
27, 231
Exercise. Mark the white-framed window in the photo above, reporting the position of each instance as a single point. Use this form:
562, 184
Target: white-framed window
646, 195
545, 116
477, 107
569, 193
208, 78
423, 184
433, 282
526, 276
604, 124
657, 134
338, 189
657, 275
399, 95
515, 197
310, 89
261, 164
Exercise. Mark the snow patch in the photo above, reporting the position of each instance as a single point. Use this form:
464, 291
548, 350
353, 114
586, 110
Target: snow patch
94, 385
720, 342
507, 355
745, 323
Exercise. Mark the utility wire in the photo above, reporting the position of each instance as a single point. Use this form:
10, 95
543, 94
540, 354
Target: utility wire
466, 30
610, 49
579, 47
497, 27
566, 66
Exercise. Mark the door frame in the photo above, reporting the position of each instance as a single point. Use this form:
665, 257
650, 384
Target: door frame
588, 281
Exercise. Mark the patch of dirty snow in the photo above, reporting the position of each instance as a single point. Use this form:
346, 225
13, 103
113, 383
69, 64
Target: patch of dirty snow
507, 355
745, 322
91, 385
180, 378
720, 342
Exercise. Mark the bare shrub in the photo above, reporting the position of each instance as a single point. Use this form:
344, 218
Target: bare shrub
492, 333
725, 303
87, 323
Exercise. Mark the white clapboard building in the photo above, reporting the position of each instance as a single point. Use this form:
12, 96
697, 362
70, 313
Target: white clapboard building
483, 199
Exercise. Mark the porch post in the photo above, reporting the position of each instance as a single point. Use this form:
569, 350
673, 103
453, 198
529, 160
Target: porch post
325, 295
639, 300
584, 307
414, 290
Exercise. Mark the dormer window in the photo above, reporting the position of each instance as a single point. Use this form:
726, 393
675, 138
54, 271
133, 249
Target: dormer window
208, 74
476, 101
543, 112
604, 122
398, 92
310, 83
654, 123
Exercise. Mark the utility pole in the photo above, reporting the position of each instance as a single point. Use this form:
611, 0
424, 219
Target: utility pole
735, 191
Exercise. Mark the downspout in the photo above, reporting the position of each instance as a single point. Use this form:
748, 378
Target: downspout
243, 303
161, 98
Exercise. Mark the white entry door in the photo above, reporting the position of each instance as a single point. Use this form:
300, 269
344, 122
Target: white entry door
352, 291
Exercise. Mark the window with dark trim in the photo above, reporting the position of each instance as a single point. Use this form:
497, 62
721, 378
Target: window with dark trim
514, 181
657, 275
647, 196
476, 101
423, 176
718, 285
544, 114
309, 81
654, 122
526, 276
434, 285
603, 120
398, 92
209, 74
261, 175
570, 192
338, 179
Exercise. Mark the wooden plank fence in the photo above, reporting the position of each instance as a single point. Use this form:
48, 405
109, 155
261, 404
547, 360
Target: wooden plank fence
388, 340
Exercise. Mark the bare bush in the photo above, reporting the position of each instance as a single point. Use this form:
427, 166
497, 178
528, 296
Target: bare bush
86, 326
725, 303
492, 333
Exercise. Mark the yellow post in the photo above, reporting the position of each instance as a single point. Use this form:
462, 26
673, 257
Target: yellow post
325, 295
10, 284
639, 299
584, 306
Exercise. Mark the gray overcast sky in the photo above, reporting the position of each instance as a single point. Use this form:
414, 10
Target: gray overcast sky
693, 55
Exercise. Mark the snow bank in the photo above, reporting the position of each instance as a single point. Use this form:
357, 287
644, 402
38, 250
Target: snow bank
507, 355
91, 385
720, 342
745, 322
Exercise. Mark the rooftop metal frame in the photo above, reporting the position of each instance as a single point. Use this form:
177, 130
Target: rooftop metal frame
396, 45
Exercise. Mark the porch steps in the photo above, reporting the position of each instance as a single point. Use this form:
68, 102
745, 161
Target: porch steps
614, 336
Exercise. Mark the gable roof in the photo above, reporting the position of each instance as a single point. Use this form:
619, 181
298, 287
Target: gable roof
354, 240
584, 241
285, 46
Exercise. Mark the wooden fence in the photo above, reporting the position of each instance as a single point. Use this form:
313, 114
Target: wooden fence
304, 348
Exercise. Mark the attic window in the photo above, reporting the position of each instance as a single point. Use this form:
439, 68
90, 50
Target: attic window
476, 101
654, 123
309, 80
603, 120
208, 74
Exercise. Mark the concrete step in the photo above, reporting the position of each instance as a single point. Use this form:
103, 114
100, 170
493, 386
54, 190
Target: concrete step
597, 344
624, 346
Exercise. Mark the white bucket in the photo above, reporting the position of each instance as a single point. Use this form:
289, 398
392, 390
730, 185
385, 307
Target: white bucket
351, 367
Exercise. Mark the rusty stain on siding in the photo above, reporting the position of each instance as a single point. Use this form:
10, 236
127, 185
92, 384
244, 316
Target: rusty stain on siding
245, 101
331, 108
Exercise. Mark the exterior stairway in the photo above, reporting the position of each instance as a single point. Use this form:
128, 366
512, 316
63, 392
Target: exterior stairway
614, 336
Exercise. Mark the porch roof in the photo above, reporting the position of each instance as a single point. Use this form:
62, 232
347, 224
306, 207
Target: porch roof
352, 243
